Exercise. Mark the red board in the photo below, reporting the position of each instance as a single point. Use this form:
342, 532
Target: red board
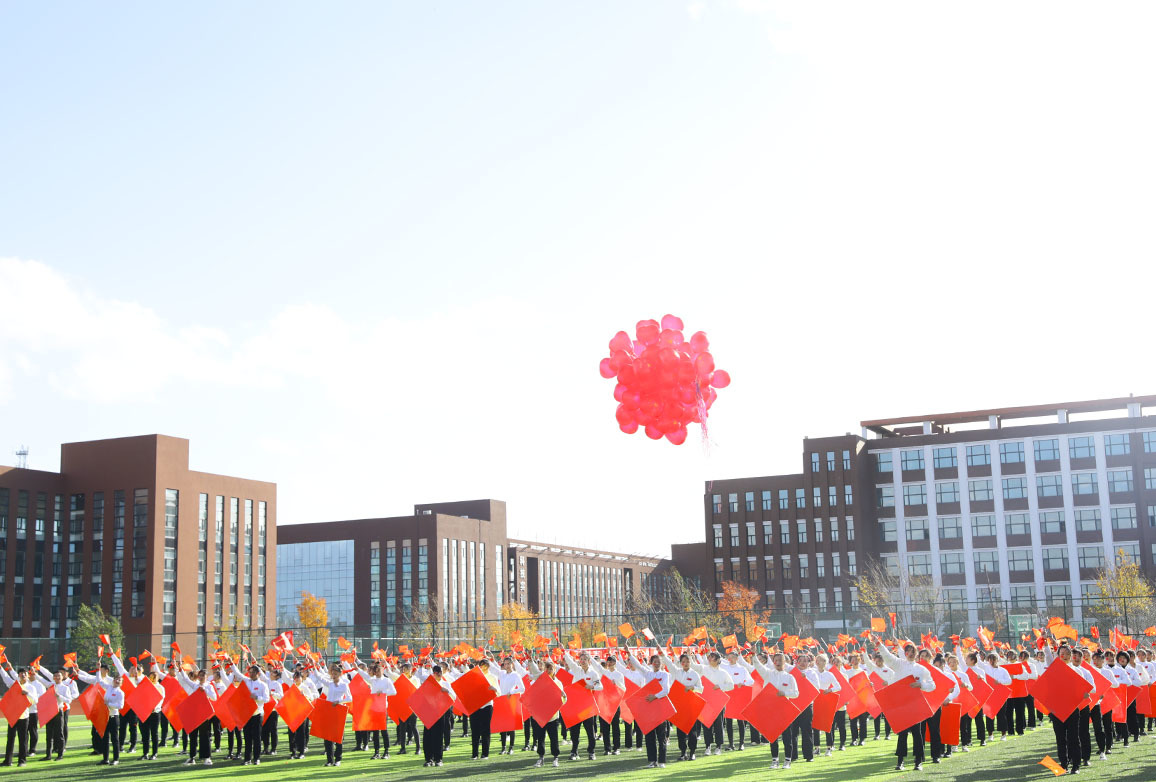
771, 713
222, 711
294, 707
980, 689
143, 700
194, 710
399, 709
579, 705
1060, 689
173, 689
903, 704
127, 687
861, 690
563, 675
1019, 687
1109, 701
507, 714
46, 707
609, 698
846, 694
944, 684
807, 691
966, 700
14, 704
650, 714
328, 721
474, 690
1144, 701
269, 707
371, 713
430, 702
949, 719
542, 699
687, 706
172, 703
716, 700
823, 714
623, 707
1120, 710
995, 701
740, 698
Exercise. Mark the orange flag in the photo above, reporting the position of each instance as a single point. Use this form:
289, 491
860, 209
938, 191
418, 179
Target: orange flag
344, 644
1148, 631
878, 624
600, 638
1053, 766
892, 615
626, 630
729, 641
516, 637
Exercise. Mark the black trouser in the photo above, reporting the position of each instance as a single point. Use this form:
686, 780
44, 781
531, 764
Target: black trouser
480, 729
1017, 708
588, 726
333, 751
933, 724
199, 742
1133, 721
656, 744
840, 724
1068, 739
610, 732
964, 730
33, 732
688, 742
253, 736
916, 734
507, 735
17, 733
149, 731
380, 737
1085, 716
802, 726
713, 734
886, 727
433, 739
1030, 705
54, 735
790, 743
360, 739
216, 733
235, 733
447, 729
297, 739
128, 724
980, 726
731, 732
527, 732
540, 732
1102, 722
269, 733
112, 737
407, 732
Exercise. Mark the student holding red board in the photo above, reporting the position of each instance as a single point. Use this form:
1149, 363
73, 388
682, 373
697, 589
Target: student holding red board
656, 737
548, 725
692, 681
902, 668
509, 683
335, 688
779, 678
713, 672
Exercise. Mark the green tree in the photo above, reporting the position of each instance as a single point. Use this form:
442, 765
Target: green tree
92, 622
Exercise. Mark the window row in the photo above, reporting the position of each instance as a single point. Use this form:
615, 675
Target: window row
801, 528
984, 524
830, 461
789, 566
1014, 452
1014, 488
766, 501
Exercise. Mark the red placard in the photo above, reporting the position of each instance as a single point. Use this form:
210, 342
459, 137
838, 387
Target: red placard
966, 700
623, 707
399, 709
269, 707
980, 689
771, 713
688, 705
845, 693
507, 714
579, 705
430, 702
609, 698
995, 701
1060, 689
944, 684
1109, 701
649, 714
143, 700
194, 710
127, 687
294, 707
173, 689
823, 712
370, 713
1019, 687
861, 690
327, 721
1144, 701
172, 703
14, 704
563, 675
46, 707
222, 711
740, 698
542, 699
715, 699
1120, 710
949, 719
904, 705
807, 691
474, 690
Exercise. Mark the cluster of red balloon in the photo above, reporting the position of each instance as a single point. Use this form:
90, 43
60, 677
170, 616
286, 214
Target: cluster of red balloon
665, 382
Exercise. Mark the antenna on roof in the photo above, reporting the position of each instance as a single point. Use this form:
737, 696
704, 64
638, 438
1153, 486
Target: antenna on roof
22, 457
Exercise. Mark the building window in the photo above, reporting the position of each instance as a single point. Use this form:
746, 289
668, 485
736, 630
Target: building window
887, 530
912, 459
800, 498
834, 530
949, 527
1150, 478
851, 568
1127, 554
947, 492
983, 525
716, 504
1052, 522
918, 565
752, 573
1011, 453
785, 566
784, 533
915, 494
768, 533
766, 499
1020, 560
986, 562
883, 462
848, 495
1055, 558
836, 564
1058, 594
172, 504
801, 531
1050, 485
1082, 448
734, 530
1152, 515
817, 497
749, 500
733, 502
784, 499
1084, 483
718, 540
1047, 450
1024, 596
978, 455
1120, 480
818, 530
1015, 488
850, 528
820, 566
1116, 445
885, 496
830, 461
751, 539
1124, 518
814, 462
980, 490
1017, 524
832, 496
945, 459
917, 529
1091, 557
951, 563
1149, 442
1088, 520
846, 460
803, 566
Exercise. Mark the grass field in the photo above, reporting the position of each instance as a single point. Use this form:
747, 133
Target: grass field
1016, 759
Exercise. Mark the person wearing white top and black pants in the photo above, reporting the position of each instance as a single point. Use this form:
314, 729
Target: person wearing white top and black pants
713, 672
18, 730
509, 683
583, 671
336, 690
692, 681
903, 668
785, 686
259, 691
656, 738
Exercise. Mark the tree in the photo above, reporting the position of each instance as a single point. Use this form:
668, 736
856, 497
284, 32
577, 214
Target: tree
1124, 591
92, 622
587, 629
421, 623
314, 618
738, 604
514, 617
876, 585
229, 636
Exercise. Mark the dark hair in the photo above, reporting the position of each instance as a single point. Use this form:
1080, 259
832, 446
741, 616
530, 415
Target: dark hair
436, 669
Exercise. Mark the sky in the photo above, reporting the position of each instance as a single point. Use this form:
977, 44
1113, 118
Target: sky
375, 251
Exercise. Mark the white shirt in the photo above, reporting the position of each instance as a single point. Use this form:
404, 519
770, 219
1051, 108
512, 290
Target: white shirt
740, 676
903, 668
783, 681
334, 691
510, 683
592, 678
378, 685
828, 682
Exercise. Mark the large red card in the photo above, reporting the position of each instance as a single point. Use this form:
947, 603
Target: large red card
688, 705
650, 714
14, 704
1061, 689
46, 707
771, 713
1109, 701
328, 721
172, 703
846, 694
1144, 701
860, 687
563, 675
740, 698
1120, 710
823, 712
222, 711
473, 689
944, 684
903, 704
173, 689
579, 705
542, 699
430, 702
609, 698
127, 687
194, 710
294, 707
268, 708
143, 700
715, 699
371, 712
623, 707
242, 706
949, 719
807, 691
507, 714
1019, 687
966, 700
399, 709
999, 695
980, 689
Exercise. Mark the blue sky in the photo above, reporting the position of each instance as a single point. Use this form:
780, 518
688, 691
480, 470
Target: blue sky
374, 251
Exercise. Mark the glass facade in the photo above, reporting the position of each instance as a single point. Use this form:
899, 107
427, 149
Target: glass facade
324, 569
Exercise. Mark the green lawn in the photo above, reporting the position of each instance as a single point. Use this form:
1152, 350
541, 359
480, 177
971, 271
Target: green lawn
1015, 759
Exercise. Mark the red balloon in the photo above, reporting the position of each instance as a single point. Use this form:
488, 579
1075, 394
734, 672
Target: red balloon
672, 322
720, 379
653, 433
704, 364
699, 343
621, 341
604, 368
629, 428
647, 331
678, 436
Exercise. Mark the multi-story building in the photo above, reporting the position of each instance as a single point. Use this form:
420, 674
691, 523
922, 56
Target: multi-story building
115, 528
1020, 506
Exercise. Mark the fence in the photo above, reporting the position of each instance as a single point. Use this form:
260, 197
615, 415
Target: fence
1009, 620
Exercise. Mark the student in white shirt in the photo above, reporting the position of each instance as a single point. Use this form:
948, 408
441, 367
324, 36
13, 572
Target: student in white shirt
903, 668
787, 686
334, 686
828, 683
273, 680
611, 730
963, 683
740, 677
379, 684
550, 729
18, 730
583, 671
692, 681
434, 736
509, 683
259, 691
712, 671
656, 738
994, 671
875, 665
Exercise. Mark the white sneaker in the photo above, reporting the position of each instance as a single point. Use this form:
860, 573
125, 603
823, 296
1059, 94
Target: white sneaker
786, 764
828, 752
774, 763
538, 763
555, 762
1103, 756
652, 765
662, 765
208, 761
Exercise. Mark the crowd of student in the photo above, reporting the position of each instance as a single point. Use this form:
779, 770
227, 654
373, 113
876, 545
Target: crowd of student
1112, 676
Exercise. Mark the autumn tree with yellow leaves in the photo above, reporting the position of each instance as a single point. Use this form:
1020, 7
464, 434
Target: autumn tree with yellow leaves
314, 617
